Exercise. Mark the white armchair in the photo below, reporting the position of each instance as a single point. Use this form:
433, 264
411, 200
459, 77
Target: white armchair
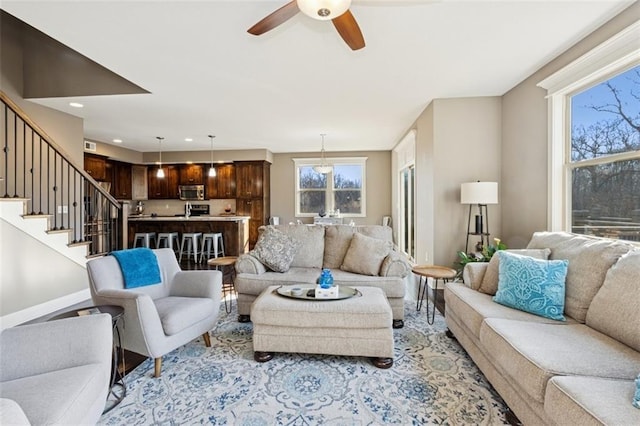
161, 317
56, 372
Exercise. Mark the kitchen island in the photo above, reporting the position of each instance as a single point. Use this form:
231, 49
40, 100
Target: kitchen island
234, 229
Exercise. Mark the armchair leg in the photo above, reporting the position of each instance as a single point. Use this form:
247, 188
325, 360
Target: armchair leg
207, 339
158, 367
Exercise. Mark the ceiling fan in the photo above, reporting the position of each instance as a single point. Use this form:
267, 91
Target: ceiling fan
335, 10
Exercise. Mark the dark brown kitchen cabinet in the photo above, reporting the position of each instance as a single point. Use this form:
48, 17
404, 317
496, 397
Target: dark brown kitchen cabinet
96, 166
223, 185
192, 174
253, 181
166, 187
121, 184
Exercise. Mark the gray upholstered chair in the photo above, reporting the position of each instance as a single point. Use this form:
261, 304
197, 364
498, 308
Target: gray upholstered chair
161, 317
56, 372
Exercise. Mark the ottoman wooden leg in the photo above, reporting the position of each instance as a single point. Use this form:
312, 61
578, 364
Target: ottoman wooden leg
262, 356
383, 362
244, 318
398, 323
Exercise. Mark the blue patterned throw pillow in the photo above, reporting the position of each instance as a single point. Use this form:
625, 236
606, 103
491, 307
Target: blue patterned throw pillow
532, 285
636, 397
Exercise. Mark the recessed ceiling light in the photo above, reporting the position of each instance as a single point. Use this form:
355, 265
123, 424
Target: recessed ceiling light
188, 140
76, 104
117, 140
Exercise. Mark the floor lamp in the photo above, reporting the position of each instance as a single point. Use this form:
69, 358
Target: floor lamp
480, 194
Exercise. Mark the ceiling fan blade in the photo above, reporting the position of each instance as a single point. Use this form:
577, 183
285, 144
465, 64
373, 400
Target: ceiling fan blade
276, 18
349, 30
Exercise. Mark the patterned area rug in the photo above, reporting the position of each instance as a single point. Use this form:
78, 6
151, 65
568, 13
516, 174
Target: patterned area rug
432, 381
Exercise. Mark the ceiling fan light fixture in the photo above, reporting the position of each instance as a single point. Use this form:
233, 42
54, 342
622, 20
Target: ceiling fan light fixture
323, 10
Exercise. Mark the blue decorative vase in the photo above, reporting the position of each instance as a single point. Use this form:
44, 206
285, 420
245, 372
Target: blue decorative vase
326, 279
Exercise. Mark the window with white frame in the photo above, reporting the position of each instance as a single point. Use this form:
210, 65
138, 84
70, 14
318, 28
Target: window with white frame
342, 190
594, 141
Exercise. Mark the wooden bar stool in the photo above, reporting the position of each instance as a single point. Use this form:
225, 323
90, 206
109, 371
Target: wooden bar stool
222, 263
436, 273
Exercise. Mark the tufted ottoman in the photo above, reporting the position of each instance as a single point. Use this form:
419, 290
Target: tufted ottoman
358, 326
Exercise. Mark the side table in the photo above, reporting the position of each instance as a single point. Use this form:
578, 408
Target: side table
220, 263
435, 272
117, 378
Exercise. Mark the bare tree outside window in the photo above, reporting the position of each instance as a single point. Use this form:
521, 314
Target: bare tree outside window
605, 158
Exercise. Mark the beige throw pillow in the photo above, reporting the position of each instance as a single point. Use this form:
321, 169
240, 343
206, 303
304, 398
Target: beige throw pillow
365, 255
489, 283
275, 249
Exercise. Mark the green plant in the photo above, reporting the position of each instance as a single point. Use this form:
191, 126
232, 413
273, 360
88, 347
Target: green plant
483, 256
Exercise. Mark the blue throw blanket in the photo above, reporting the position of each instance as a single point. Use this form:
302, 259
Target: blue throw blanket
139, 267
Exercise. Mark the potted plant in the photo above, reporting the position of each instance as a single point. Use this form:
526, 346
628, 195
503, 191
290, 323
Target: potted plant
483, 254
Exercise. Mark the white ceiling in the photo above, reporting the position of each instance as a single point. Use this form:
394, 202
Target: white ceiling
279, 91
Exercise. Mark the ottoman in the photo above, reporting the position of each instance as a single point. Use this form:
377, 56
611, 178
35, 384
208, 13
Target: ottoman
357, 326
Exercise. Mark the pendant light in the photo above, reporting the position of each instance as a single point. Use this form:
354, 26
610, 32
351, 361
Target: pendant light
160, 172
323, 168
212, 170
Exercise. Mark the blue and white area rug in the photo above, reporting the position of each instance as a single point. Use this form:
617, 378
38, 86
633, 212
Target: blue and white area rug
432, 381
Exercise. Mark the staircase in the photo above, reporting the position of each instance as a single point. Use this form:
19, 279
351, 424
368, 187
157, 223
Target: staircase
53, 217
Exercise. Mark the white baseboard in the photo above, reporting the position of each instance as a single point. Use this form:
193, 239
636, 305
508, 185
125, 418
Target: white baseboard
43, 309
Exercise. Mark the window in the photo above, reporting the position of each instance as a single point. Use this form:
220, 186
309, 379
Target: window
594, 146
604, 163
407, 201
341, 190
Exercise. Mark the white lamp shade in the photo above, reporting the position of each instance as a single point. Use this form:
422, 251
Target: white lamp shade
334, 8
160, 173
479, 193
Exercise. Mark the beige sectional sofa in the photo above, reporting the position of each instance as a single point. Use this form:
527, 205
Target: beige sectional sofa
332, 247
575, 372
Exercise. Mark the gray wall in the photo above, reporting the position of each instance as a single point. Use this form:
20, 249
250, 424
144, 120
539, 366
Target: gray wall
524, 191
458, 140
378, 184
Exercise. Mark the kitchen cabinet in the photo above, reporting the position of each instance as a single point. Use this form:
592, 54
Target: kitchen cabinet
139, 182
96, 166
224, 184
166, 187
192, 174
253, 181
121, 183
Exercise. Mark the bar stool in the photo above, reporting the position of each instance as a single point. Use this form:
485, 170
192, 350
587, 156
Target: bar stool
168, 239
191, 241
220, 263
144, 239
208, 239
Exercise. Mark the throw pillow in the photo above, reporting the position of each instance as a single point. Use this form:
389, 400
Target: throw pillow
489, 283
636, 397
365, 255
275, 249
532, 285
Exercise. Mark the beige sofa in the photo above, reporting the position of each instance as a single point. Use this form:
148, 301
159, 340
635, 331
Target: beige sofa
330, 247
577, 372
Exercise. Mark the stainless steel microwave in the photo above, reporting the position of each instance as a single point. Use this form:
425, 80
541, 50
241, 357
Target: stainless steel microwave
191, 192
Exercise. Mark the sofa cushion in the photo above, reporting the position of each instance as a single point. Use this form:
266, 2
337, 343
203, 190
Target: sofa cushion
615, 310
275, 249
337, 239
310, 244
472, 307
589, 259
531, 353
178, 313
376, 231
63, 397
591, 401
489, 283
532, 285
365, 255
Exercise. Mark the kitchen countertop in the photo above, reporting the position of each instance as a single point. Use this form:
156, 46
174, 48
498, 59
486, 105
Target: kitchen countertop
225, 218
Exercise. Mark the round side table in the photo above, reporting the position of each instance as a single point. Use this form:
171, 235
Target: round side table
222, 263
424, 272
117, 378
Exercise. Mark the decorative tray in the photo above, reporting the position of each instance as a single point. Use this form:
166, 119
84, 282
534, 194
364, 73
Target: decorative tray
308, 292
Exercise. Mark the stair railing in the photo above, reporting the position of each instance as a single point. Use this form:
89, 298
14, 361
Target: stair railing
36, 168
